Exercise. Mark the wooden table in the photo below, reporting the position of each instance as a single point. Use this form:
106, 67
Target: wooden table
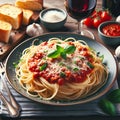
71, 26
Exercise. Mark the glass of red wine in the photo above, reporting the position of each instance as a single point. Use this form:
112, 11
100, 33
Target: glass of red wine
80, 9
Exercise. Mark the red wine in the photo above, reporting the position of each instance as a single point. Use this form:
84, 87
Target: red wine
80, 9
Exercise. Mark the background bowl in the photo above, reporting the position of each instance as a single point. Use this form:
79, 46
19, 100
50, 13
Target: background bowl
57, 15
109, 40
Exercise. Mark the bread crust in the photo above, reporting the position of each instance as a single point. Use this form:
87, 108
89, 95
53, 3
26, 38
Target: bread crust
11, 14
5, 30
27, 15
40, 1
34, 5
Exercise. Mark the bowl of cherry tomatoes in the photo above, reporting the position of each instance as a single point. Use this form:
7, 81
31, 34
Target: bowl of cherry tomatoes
96, 18
109, 32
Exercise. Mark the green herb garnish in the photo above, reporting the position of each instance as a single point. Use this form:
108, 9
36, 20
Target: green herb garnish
62, 74
100, 56
69, 49
90, 65
107, 104
59, 48
43, 67
16, 63
107, 107
60, 51
75, 69
114, 96
61, 64
63, 55
54, 54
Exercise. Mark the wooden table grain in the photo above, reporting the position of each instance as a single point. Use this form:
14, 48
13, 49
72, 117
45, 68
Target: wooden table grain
70, 26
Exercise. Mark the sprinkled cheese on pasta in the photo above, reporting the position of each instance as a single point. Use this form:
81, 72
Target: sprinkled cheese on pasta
61, 69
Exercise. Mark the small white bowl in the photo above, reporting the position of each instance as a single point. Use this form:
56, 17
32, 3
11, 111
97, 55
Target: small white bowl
53, 18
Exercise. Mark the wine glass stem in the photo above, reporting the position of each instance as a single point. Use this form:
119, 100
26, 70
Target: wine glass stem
79, 27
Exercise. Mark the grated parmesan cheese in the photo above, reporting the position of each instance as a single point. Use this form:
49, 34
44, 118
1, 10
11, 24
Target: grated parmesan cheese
53, 16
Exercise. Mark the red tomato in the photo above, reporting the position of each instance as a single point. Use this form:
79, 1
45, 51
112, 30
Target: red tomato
99, 13
94, 14
97, 17
96, 22
61, 81
88, 22
105, 16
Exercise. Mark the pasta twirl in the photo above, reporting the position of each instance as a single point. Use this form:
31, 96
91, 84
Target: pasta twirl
61, 69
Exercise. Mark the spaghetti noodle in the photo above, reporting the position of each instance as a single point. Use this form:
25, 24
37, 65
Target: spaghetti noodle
61, 70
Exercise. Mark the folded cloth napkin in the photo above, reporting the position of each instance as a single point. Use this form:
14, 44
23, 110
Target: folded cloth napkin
33, 109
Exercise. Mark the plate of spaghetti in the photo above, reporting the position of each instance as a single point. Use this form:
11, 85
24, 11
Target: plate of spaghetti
61, 69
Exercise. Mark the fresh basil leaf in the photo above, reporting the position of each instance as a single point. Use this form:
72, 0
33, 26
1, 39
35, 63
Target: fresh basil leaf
70, 49
60, 51
43, 67
54, 54
15, 64
107, 107
90, 65
114, 96
69, 67
59, 48
62, 74
61, 64
75, 69
101, 57
63, 55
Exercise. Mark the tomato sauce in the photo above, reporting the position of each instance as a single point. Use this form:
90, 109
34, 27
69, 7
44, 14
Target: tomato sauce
64, 74
112, 30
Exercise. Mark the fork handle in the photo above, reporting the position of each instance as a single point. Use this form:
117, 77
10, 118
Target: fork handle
12, 111
12, 99
14, 103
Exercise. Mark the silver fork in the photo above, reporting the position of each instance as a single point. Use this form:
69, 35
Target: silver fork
12, 106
